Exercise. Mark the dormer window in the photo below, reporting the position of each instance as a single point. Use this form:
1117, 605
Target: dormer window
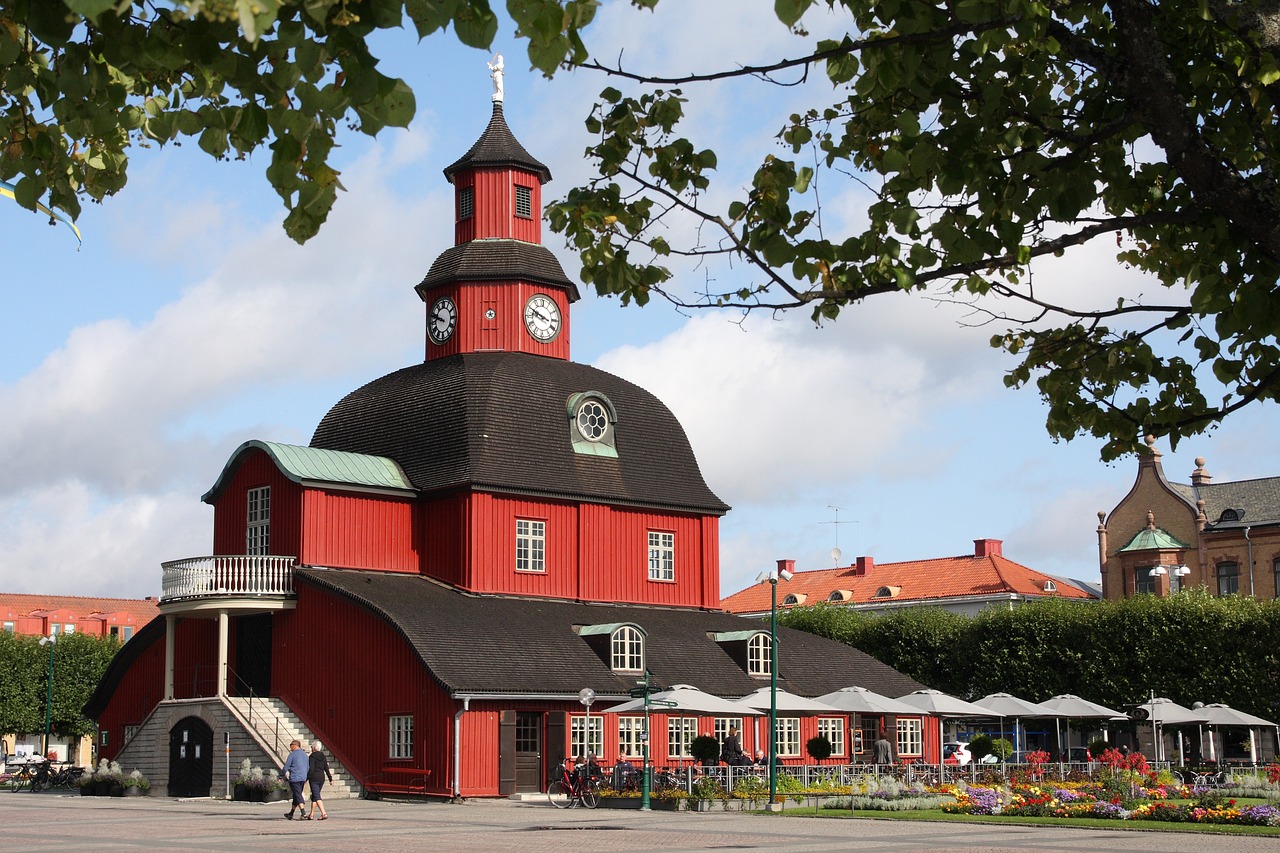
524, 202
1050, 586
592, 422
466, 203
1230, 515
888, 591
627, 650
793, 599
759, 655
836, 595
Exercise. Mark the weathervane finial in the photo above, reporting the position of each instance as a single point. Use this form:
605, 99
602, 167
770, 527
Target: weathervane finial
495, 69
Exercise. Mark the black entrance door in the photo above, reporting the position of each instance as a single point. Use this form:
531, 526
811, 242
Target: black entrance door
528, 752
190, 758
253, 656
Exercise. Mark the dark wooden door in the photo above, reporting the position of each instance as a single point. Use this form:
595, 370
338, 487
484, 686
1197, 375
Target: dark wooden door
253, 656
528, 751
190, 758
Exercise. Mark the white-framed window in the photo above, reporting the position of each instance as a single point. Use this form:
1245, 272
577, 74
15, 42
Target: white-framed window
9, 628
129, 732
833, 730
867, 734
759, 655
662, 556
258, 521
584, 742
723, 724
627, 650
788, 745
466, 203
55, 629
680, 731
524, 201
910, 741
401, 741
531, 545
69, 628
630, 737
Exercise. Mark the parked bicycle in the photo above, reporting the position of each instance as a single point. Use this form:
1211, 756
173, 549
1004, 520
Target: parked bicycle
570, 788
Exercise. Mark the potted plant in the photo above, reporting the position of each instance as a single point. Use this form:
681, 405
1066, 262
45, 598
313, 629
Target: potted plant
257, 785
136, 785
85, 783
705, 749
705, 791
240, 789
277, 789
818, 747
102, 779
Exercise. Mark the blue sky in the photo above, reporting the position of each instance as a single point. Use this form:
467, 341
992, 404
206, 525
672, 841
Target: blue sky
188, 323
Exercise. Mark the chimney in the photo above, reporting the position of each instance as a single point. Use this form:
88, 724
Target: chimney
988, 548
1200, 477
788, 566
863, 565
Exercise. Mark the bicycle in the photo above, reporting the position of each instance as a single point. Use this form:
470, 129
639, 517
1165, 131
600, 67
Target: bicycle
571, 789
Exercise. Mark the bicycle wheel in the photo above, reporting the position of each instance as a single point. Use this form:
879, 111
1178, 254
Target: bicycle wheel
590, 793
559, 795
21, 780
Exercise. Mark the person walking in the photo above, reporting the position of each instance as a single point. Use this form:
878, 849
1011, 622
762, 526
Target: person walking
295, 772
731, 750
883, 749
316, 774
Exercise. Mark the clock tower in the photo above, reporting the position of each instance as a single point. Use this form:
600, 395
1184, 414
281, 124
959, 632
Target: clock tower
498, 289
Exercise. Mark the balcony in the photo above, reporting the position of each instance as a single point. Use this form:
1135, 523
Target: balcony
234, 576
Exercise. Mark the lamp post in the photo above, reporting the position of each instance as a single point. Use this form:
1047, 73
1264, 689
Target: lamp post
771, 577
48, 702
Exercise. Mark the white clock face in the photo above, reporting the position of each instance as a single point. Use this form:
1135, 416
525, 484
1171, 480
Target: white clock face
441, 320
542, 317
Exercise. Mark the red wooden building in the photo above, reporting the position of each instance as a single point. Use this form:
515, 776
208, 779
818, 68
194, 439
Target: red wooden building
465, 545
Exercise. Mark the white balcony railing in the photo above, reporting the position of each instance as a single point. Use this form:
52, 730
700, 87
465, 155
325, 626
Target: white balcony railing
230, 575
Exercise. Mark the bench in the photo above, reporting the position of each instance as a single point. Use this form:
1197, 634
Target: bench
404, 781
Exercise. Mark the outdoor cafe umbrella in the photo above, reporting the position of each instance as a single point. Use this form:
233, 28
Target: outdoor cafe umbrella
939, 704
1008, 705
1163, 712
1071, 707
1219, 714
762, 700
685, 697
860, 700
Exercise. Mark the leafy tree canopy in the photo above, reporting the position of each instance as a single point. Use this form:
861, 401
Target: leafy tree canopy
986, 134
79, 661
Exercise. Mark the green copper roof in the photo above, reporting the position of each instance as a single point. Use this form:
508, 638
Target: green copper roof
1153, 540
321, 467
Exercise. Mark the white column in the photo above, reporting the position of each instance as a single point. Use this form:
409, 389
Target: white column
169, 623
222, 652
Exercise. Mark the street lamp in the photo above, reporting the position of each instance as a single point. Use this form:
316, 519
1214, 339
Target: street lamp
48, 702
771, 577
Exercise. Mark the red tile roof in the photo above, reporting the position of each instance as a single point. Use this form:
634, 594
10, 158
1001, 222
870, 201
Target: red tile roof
132, 611
923, 581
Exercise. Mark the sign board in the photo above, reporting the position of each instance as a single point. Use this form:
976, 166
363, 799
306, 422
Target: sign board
662, 703
1139, 714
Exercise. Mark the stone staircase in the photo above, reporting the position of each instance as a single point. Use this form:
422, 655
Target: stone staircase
273, 725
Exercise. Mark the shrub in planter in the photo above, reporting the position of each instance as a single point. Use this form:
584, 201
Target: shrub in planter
818, 747
136, 785
980, 746
706, 749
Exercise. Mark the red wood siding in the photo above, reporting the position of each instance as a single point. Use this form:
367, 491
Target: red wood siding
229, 511
349, 530
492, 555
495, 207
506, 331
615, 546
443, 529
464, 230
346, 672
195, 658
139, 690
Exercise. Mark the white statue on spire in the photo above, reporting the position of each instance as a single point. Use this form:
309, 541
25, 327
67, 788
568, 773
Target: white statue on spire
495, 68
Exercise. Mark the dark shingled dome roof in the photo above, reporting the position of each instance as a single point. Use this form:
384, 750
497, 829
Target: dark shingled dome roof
490, 259
497, 147
504, 632
499, 422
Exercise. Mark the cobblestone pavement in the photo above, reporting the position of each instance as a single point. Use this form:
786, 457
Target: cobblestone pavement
49, 822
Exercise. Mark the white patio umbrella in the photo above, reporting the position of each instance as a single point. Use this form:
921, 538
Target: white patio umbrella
1011, 706
686, 698
1163, 712
1219, 714
760, 700
1071, 707
860, 700
939, 704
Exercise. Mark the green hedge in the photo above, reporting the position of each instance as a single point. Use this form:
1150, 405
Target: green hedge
79, 661
1189, 647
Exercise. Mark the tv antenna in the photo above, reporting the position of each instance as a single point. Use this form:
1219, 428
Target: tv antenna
835, 552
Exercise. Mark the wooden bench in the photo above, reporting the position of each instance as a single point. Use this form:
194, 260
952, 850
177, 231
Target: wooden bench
404, 781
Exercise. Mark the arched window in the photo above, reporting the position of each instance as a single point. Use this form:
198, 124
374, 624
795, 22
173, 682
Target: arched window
627, 650
790, 600
836, 595
759, 658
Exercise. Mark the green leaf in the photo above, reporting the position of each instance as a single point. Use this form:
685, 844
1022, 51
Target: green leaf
790, 11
